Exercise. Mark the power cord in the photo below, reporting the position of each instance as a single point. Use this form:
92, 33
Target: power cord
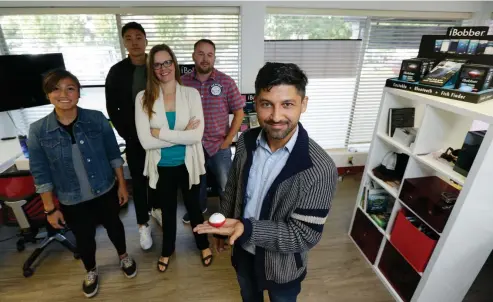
9, 238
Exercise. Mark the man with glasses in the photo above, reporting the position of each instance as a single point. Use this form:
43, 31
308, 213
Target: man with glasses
125, 79
220, 96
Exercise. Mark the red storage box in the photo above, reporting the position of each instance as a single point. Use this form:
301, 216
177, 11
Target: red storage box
414, 245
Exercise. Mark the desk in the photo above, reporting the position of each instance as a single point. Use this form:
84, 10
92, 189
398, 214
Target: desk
9, 151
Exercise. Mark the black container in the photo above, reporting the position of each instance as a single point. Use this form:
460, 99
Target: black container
474, 78
412, 70
469, 150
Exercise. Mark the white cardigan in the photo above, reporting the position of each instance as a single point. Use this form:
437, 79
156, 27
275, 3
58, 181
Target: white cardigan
188, 105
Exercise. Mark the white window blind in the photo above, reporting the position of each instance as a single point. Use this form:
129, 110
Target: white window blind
328, 49
346, 78
389, 41
180, 32
90, 98
89, 43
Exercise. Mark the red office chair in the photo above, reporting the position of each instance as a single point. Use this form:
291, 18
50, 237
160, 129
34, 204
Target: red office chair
17, 191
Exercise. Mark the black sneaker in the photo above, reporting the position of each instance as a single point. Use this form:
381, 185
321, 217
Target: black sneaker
129, 267
90, 286
186, 218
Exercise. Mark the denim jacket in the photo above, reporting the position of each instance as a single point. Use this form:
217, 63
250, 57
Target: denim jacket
50, 155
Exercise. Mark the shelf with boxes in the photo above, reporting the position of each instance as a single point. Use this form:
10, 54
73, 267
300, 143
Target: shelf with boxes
453, 67
437, 188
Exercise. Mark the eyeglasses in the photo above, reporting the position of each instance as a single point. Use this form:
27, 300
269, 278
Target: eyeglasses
166, 63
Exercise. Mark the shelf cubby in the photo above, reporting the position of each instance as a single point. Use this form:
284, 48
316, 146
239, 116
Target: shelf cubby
445, 269
421, 180
398, 272
366, 235
444, 129
412, 243
399, 146
394, 102
371, 212
383, 148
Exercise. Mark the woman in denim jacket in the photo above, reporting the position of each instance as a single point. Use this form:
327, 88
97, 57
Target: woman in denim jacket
75, 157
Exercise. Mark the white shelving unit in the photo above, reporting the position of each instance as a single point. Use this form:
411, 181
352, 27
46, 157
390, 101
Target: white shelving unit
467, 238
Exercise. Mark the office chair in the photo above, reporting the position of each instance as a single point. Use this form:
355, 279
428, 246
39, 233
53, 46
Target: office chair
17, 191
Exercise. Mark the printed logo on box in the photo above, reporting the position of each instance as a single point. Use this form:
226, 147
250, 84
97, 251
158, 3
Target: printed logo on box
186, 68
478, 31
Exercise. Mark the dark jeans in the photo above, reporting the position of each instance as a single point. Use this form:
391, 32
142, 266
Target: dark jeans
250, 290
83, 219
219, 164
170, 179
141, 191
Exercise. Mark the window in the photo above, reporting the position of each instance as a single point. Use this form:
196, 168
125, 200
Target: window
91, 44
389, 42
328, 49
90, 98
180, 32
347, 60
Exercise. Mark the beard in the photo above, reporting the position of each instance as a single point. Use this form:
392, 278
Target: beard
278, 133
201, 70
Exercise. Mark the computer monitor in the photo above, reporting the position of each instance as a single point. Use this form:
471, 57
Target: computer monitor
21, 79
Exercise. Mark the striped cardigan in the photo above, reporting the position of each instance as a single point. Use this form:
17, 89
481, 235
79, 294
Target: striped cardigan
293, 212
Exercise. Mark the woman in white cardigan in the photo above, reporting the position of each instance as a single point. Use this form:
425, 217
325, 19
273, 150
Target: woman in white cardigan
170, 126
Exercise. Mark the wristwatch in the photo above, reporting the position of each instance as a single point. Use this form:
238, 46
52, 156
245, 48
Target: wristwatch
48, 213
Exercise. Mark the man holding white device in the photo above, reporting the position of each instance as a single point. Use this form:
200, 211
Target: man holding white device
278, 193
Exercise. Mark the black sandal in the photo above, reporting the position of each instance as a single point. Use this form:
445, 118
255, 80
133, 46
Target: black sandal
204, 260
159, 262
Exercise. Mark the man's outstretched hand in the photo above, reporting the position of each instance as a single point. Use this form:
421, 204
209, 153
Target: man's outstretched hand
232, 228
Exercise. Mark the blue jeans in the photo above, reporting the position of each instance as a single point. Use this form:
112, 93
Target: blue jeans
250, 291
219, 164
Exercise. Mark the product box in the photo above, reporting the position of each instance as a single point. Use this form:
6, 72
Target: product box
489, 48
405, 136
431, 65
444, 46
474, 77
473, 46
481, 47
413, 70
438, 45
444, 74
463, 46
452, 49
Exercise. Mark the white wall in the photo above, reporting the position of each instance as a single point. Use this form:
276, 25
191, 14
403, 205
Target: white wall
252, 44
435, 6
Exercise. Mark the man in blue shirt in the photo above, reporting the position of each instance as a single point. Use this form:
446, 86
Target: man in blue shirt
279, 191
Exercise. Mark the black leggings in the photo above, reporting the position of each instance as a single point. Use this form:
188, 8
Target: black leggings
170, 179
141, 192
83, 218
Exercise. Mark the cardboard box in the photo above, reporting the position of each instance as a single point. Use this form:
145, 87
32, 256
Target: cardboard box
474, 77
412, 70
430, 64
445, 73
